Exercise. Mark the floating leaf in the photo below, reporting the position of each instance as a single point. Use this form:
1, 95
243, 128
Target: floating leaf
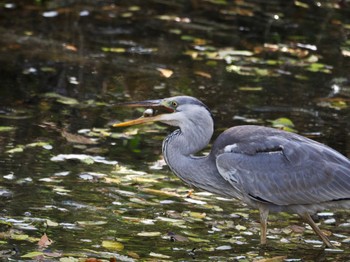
203, 74
250, 88
225, 247
33, 254
345, 52
197, 215
91, 223
198, 240
225, 52
149, 234
70, 47
272, 259
113, 49
171, 220
79, 139
157, 255
19, 237
6, 128
158, 192
240, 227
296, 229
282, 122
62, 99
165, 72
44, 241
133, 254
301, 4
51, 223
17, 149
318, 67
20, 148
112, 245
176, 237
92, 259
195, 201
69, 259
87, 159
37, 144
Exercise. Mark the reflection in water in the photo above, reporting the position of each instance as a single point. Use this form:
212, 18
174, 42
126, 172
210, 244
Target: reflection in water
65, 64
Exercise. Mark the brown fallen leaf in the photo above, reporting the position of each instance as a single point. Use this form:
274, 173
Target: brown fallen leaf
297, 229
70, 47
73, 138
44, 241
203, 74
132, 254
92, 259
327, 233
176, 237
53, 254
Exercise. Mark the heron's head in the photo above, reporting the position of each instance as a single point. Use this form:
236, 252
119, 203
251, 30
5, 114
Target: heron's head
182, 111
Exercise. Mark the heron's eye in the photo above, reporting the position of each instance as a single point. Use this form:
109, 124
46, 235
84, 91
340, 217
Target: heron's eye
174, 104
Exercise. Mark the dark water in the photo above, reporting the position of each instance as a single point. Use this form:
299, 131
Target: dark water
65, 64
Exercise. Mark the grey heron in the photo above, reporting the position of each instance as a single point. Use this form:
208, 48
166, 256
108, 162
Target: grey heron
265, 168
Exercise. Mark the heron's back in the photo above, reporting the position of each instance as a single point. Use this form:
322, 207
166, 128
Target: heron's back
281, 169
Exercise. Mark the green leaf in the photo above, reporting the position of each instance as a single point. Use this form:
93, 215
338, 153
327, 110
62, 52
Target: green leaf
19, 237
37, 144
62, 99
18, 149
198, 240
6, 128
33, 254
282, 122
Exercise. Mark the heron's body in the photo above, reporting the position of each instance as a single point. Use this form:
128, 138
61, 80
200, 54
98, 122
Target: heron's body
266, 168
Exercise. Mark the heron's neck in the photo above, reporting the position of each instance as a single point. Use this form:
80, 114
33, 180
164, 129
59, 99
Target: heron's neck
200, 172
192, 137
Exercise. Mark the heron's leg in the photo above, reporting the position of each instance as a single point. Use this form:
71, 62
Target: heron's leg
264, 213
310, 221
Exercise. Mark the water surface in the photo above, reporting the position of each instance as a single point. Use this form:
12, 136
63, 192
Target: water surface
98, 192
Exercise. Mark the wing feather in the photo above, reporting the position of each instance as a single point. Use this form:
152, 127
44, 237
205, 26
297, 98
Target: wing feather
284, 169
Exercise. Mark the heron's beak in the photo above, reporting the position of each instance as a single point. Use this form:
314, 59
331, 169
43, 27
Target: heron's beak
146, 103
153, 104
138, 121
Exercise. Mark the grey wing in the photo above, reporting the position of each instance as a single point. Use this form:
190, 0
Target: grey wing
285, 171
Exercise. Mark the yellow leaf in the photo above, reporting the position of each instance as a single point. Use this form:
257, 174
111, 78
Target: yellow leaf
198, 215
198, 240
149, 234
165, 72
19, 237
240, 228
112, 245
